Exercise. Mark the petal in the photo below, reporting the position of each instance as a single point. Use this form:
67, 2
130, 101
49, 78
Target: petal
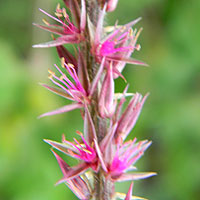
52, 29
128, 116
63, 109
106, 99
74, 172
112, 4
100, 156
134, 116
129, 194
134, 176
127, 60
75, 9
83, 16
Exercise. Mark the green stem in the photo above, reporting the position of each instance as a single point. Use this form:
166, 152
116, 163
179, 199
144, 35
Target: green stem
103, 187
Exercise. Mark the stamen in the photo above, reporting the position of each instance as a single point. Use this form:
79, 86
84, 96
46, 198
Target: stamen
62, 77
58, 7
87, 151
131, 32
79, 133
62, 62
70, 65
64, 13
58, 14
138, 33
50, 76
46, 22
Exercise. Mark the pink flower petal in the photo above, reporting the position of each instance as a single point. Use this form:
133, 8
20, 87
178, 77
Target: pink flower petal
129, 194
63, 109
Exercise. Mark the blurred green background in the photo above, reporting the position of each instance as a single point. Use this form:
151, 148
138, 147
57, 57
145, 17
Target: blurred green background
170, 118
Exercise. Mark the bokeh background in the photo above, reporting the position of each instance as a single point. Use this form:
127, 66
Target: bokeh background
170, 118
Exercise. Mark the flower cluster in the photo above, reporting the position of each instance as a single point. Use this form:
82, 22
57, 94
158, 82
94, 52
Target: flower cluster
88, 81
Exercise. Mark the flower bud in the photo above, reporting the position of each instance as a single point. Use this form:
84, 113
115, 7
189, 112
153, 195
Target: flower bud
112, 4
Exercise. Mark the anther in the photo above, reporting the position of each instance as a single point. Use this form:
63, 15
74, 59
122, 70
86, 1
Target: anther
87, 151
51, 72
70, 65
62, 77
58, 14
64, 13
62, 62
138, 47
46, 22
50, 77
131, 32
79, 133
58, 7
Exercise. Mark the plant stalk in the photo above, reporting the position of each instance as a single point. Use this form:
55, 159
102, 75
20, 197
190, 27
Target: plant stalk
103, 187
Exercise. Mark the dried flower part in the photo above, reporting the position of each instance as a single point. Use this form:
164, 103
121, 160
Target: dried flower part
106, 102
128, 119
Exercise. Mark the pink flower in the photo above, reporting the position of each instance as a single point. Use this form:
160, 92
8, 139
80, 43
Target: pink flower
80, 150
120, 158
126, 155
85, 152
117, 46
70, 90
68, 32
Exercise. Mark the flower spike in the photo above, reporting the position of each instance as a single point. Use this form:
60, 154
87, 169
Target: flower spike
86, 77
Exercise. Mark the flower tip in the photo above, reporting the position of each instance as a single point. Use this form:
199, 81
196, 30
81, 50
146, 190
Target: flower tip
63, 138
129, 194
47, 141
41, 10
